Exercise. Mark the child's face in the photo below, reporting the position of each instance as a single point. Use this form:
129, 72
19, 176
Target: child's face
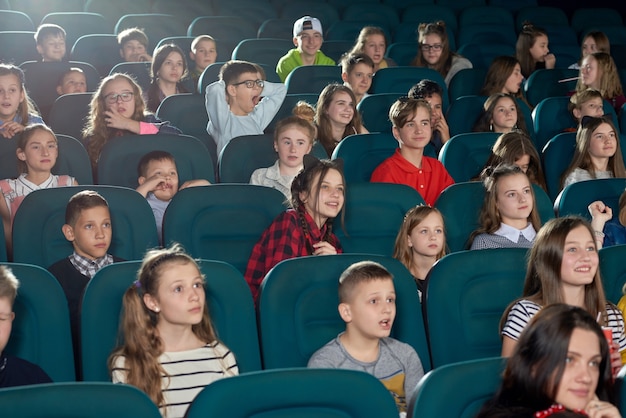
504, 116
416, 132
341, 108
603, 142
372, 309
11, 95
292, 144
205, 54
513, 83
514, 199
52, 48
523, 162
133, 51
360, 78
427, 238
6, 321
308, 42
580, 258
114, 90
180, 295
432, 55
330, 200
375, 47
242, 98
166, 171
592, 107
590, 73
73, 82
40, 152
436, 108
539, 50
91, 235
589, 46
172, 68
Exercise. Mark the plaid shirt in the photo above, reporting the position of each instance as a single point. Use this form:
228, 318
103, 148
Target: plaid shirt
89, 267
283, 239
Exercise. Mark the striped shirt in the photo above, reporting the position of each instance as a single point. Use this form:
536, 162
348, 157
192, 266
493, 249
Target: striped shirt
15, 190
524, 310
187, 373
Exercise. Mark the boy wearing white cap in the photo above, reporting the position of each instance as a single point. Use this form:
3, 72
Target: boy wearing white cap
308, 38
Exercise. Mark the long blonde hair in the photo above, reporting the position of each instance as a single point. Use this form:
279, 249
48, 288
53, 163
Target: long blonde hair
415, 216
142, 345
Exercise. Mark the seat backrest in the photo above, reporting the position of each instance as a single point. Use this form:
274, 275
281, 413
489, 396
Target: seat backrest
432, 13
587, 17
557, 156
37, 235
551, 117
156, 26
262, 51
546, 83
465, 155
401, 79
431, 397
463, 113
312, 78
325, 12
297, 317
3, 245
244, 154
17, 47
541, 16
468, 292
254, 11
575, 198
472, 15
335, 49
613, 271
467, 82
228, 298
482, 53
374, 110
222, 221
223, 28
77, 24
362, 153
41, 329
294, 392
276, 28
403, 52
113, 10
139, 71
15, 20
480, 32
84, 399
372, 223
376, 13
119, 158
69, 113
73, 160
100, 50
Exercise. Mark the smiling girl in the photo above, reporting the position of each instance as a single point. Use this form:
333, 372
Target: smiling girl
171, 351
336, 116
508, 218
16, 110
317, 198
372, 42
168, 68
598, 154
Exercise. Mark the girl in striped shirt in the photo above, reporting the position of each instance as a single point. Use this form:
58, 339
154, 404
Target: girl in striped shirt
170, 351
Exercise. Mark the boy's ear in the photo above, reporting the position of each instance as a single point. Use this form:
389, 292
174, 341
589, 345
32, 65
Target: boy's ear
344, 77
192, 56
344, 312
141, 180
231, 90
39, 49
396, 133
59, 90
68, 232
577, 113
295, 41
121, 51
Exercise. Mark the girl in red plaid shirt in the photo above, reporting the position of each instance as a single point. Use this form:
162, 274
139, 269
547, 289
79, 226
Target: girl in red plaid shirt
317, 197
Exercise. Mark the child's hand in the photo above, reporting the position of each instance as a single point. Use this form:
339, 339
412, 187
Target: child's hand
151, 184
323, 248
116, 120
194, 183
444, 130
10, 129
144, 57
616, 358
550, 61
598, 210
600, 409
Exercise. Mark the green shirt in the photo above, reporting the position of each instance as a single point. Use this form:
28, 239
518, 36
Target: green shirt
293, 59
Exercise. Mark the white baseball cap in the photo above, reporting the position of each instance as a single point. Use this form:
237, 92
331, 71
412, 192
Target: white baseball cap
306, 23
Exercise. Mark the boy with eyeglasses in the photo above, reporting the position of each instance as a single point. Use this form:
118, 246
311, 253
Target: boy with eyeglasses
241, 102
308, 38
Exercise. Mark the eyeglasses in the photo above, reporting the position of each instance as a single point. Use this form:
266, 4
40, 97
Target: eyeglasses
112, 98
427, 48
251, 83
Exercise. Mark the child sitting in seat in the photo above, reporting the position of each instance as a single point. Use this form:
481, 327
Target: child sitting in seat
88, 227
432, 92
13, 370
203, 53
234, 103
158, 183
357, 72
17, 111
50, 40
293, 138
72, 81
133, 45
169, 67
367, 304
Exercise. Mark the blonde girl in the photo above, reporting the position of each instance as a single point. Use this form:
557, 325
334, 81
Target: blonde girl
37, 152
509, 217
434, 51
598, 154
16, 111
594, 41
531, 50
598, 71
336, 116
420, 242
170, 351
169, 67
372, 42
562, 268
116, 109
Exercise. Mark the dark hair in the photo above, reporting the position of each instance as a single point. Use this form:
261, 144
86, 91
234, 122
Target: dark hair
499, 72
484, 124
535, 369
525, 40
132, 34
81, 201
357, 273
233, 69
161, 54
445, 60
158, 155
48, 29
424, 89
349, 61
